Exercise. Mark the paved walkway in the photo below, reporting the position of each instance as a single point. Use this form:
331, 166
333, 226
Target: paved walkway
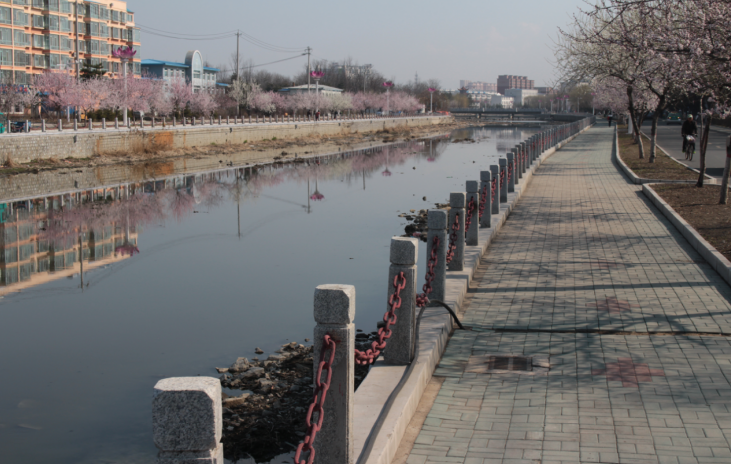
584, 252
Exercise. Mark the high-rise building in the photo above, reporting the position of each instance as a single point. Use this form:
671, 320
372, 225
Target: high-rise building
513, 82
477, 85
40, 35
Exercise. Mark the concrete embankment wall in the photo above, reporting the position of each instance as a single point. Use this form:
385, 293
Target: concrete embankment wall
84, 143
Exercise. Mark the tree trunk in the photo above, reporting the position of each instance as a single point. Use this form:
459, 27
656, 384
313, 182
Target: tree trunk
633, 118
653, 134
703, 145
724, 182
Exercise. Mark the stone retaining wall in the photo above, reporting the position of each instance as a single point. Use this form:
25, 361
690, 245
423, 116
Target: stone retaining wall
84, 143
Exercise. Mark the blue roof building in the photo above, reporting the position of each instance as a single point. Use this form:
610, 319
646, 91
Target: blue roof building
192, 70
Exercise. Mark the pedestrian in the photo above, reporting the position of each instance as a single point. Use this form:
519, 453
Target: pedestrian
317, 115
609, 118
689, 128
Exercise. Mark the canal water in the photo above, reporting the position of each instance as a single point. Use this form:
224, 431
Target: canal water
104, 290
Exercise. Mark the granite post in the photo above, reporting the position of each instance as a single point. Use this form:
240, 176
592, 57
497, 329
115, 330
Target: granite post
510, 174
516, 162
401, 346
437, 223
334, 312
503, 180
486, 196
60, 125
186, 420
472, 232
457, 201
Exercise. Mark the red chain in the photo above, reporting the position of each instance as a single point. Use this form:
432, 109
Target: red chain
384, 333
510, 170
423, 299
493, 188
453, 239
502, 178
470, 212
321, 389
483, 200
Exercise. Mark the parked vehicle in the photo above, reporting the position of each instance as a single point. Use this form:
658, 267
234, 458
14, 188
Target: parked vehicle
19, 126
674, 118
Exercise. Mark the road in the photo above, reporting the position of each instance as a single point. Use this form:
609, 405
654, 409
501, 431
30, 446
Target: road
668, 137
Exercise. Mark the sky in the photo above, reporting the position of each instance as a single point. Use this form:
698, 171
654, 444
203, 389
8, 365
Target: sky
470, 39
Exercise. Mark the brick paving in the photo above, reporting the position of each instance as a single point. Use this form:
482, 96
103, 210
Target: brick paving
585, 252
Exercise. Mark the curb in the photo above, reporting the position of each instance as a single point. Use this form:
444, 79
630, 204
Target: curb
708, 179
434, 333
706, 250
641, 180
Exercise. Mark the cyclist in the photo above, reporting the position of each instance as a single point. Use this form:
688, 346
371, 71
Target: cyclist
689, 128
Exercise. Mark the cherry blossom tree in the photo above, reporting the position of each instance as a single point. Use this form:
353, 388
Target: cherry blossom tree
180, 94
203, 103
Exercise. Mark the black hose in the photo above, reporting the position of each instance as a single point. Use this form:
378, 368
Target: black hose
370, 441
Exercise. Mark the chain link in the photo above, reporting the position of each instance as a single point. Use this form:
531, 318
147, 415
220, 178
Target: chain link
318, 401
510, 171
453, 239
502, 178
470, 212
384, 333
423, 299
493, 189
483, 200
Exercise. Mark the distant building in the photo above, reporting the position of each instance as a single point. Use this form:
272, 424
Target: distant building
519, 95
324, 90
513, 82
477, 85
480, 97
503, 101
192, 70
545, 90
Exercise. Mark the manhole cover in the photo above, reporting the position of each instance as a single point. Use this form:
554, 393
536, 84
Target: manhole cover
510, 363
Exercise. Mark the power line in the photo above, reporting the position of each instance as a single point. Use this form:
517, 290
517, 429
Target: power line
188, 35
265, 64
184, 38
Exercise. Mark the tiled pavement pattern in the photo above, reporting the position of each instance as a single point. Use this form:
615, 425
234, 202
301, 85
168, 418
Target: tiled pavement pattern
584, 251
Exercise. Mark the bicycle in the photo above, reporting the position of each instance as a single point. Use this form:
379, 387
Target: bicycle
689, 147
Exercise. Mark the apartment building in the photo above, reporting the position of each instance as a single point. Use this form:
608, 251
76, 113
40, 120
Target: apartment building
478, 85
40, 35
506, 82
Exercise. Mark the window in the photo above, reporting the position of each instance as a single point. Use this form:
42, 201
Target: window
6, 57
103, 12
54, 5
40, 61
136, 35
103, 30
21, 58
39, 4
64, 24
6, 36
94, 47
115, 33
93, 11
130, 18
52, 22
40, 21
6, 15
94, 29
137, 68
104, 48
26, 251
21, 38
21, 77
21, 2
39, 41
20, 18
53, 42
55, 61
65, 6
115, 16
10, 255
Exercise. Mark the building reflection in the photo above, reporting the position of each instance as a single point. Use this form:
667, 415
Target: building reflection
66, 235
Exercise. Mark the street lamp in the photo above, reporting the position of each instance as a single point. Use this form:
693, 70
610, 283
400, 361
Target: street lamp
431, 99
388, 85
317, 75
125, 54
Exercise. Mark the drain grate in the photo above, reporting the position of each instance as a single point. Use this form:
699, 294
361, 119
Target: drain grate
510, 363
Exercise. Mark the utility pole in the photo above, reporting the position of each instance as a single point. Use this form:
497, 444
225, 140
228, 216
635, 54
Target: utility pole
238, 74
309, 51
78, 71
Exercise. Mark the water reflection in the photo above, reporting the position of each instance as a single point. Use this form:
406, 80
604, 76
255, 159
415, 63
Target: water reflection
52, 237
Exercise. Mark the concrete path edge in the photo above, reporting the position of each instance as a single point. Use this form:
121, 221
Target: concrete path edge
434, 333
705, 249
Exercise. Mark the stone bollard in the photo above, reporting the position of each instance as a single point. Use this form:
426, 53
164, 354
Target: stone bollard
334, 314
401, 346
524, 149
76, 124
510, 174
472, 233
187, 420
219, 120
60, 125
153, 122
43, 125
250, 119
228, 120
516, 162
486, 190
457, 202
503, 179
257, 119
436, 221
104, 123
